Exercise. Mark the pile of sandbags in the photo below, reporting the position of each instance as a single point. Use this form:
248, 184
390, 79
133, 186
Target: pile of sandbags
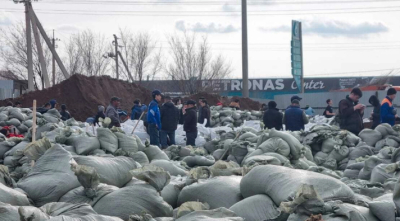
230, 117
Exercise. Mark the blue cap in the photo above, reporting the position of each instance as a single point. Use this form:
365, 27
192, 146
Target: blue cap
156, 92
53, 102
295, 97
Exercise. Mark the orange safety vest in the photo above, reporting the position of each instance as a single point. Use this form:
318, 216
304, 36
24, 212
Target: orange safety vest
384, 101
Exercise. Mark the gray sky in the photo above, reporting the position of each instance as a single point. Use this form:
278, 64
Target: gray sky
336, 39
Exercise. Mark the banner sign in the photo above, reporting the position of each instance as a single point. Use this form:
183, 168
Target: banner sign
297, 54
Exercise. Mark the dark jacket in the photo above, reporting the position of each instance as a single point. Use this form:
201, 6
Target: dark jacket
329, 110
190, 122
65, 115
100, 114
112, 113
376, 115
273, 119
350, 119
205, 114
295, 119
200, 115
388, 114
136, 112
181, 116
169, 117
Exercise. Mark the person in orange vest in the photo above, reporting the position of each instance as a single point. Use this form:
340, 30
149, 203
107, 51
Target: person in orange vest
388, 113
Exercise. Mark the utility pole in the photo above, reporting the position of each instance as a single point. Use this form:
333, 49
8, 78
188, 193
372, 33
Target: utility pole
53, 40
245, 59
116, 55
29, 45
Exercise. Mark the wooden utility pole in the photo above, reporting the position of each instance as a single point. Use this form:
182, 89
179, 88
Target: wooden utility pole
245, 59
29, 45
116, 55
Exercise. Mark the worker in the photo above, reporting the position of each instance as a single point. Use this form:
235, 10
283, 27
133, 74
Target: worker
295, 118
200, 118
376, 113
112, 112
388, 112
100, 114
294, 97
136, 110
235, 104
309, 111
44, 109
169, 122
65, 115
351, 112
272, 118
154, 119
53, 103
18, 104
181, 115
10, 104
328, 112
190, 123
206, 113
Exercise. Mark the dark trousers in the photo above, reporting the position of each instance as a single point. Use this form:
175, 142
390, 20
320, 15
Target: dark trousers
191, 138
154, 135
164, 138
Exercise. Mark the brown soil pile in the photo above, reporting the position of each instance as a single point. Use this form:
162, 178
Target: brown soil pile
83, 94
213, 99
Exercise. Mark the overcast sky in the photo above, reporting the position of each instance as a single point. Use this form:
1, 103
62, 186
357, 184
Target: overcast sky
336, 40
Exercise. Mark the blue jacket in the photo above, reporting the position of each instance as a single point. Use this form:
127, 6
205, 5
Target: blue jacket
136, 112
294, 119
310, 111
387, 115
153, 116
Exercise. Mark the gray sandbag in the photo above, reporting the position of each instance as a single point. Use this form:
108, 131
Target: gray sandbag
330, 164
294, 144
218, 154
28, 123
356, 166
361, 150
383, 210
108, 140
219, 214
197, 160
211, 146
261, 160
262, 138
13, 122
127, 143
339, 153
369, 165
5, 146
385, 129
222, 168
330, 144
275, 145
52, 174
255, 208
247, 135
36, 149
370, 137
385, 142
3, 117
139, 143
16, 113
189, 207
112, 170
170, 193
17, 213
134, 199
5, 177
352, 174
210, 191
380, 175
85, 145
155, 153
320, 158
45, 128
140, 157
22, 129
13, 197
386, 153
173, 168
153, 175
279, 182
325, 171
81, 195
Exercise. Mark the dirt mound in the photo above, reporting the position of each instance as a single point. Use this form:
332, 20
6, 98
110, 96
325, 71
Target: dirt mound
213, 99
83, 94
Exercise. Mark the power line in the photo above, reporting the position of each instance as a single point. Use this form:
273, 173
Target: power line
367, 71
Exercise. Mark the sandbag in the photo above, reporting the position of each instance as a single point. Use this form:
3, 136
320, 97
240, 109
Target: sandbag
197, 160
52, 174
361, 150
85, 145
134, 199
112, 170
330, 144
173, 168
279, 182
155, 153
170, 193
80, 195
211, 146
276, 145
385, 129
13, 197
370, 137
256, 208
140, 157
294, 144
210, 191
16, 113
36, 149
247, 135
127, 143
5, 146
220, 214
339, 153
13, 122
153, 175
261, 160
369, 165
108, 140
379, 174
352, 174
320, 158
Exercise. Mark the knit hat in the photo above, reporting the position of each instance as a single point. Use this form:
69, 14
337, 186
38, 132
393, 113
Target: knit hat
391, 91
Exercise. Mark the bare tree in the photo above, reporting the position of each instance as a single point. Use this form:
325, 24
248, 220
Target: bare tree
192, 63
13, 54
141, 55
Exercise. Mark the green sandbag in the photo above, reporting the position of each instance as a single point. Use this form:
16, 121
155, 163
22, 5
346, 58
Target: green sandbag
294, 144
276, 145
108, 140
127, 143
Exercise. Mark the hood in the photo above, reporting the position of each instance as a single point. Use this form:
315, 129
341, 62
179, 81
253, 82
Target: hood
169, 105
373, 100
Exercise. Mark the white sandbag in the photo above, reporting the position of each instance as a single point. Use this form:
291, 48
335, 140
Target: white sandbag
134, 199
52, 174
210, 191
279, 182
112, 170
